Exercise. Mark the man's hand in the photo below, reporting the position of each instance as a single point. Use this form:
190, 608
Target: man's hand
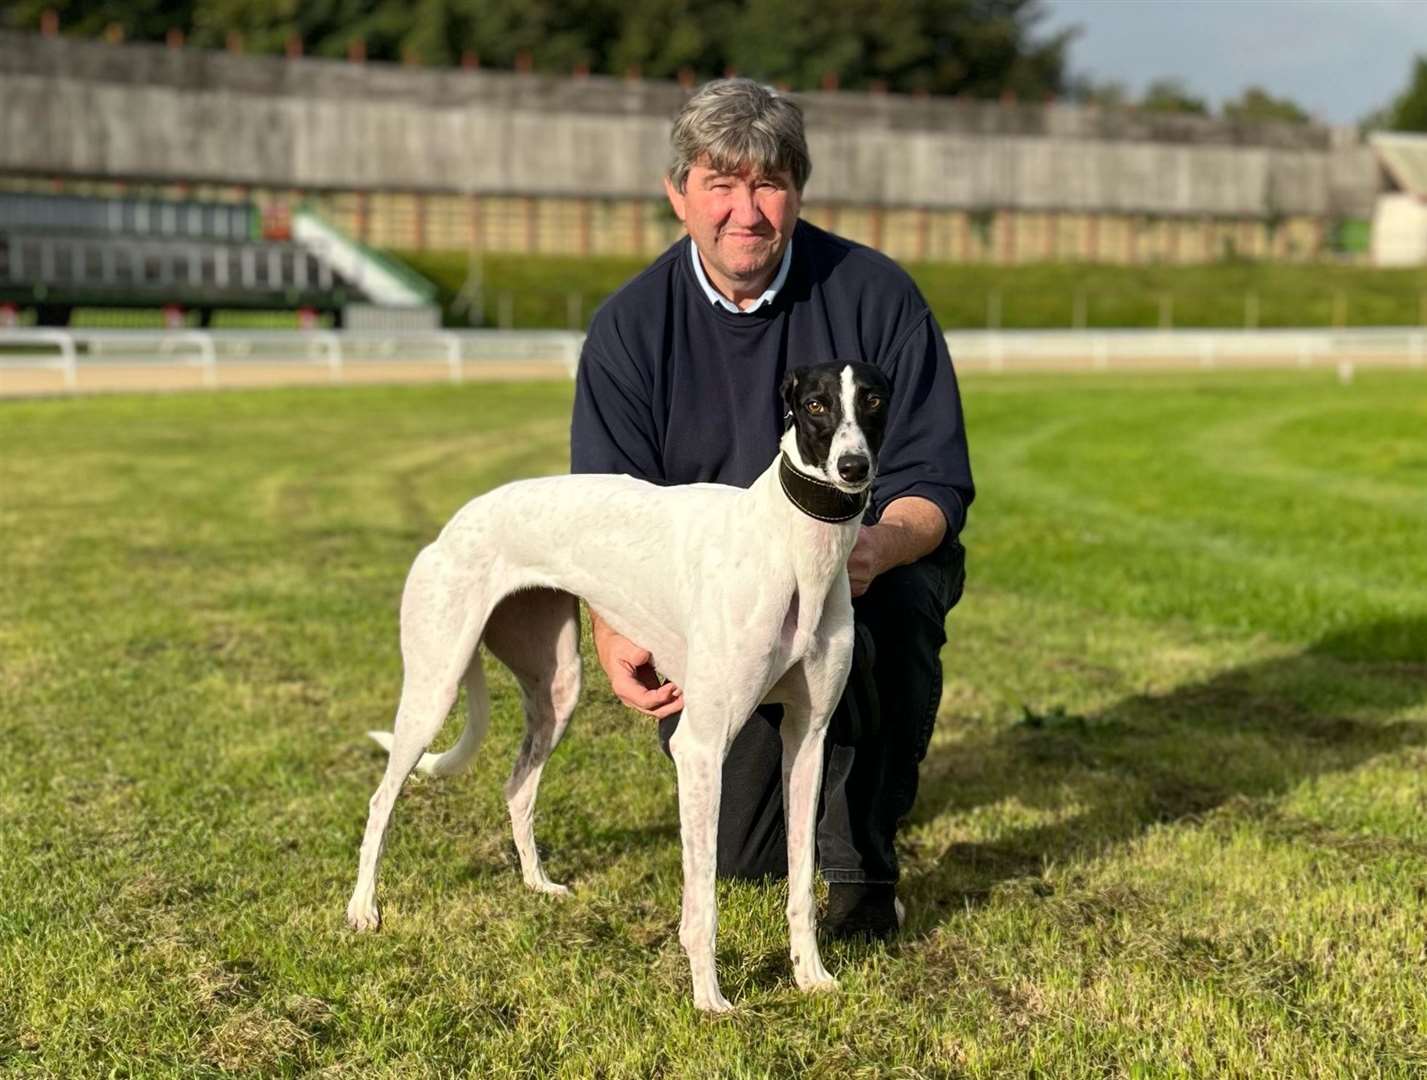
865, 562
910, 528
631, 676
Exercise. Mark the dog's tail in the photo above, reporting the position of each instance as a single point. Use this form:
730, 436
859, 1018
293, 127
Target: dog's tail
478, 716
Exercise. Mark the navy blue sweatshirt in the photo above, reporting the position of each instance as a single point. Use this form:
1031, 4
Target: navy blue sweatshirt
677, 390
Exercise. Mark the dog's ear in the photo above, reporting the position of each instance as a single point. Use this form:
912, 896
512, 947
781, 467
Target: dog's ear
787, 391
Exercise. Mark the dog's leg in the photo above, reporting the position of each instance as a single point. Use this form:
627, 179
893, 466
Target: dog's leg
547, 713
537, 635
418, 720
432, 622
698, 749
803, 734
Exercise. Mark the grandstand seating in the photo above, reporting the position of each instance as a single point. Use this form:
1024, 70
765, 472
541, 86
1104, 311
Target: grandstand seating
58, 252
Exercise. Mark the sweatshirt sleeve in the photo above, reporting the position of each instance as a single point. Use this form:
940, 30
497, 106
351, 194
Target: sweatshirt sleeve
612, 425
924, 452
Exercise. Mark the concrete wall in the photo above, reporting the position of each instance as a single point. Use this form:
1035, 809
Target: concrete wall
73, 108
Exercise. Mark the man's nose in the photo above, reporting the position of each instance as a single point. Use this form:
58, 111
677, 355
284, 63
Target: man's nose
745, 207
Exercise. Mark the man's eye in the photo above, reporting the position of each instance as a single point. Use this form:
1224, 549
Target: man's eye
817, 408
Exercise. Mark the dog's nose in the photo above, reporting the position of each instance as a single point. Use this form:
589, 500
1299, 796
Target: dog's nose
853, 468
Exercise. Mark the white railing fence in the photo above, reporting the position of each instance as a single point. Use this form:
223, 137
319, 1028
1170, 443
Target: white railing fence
1130, 350
69, 351
457, 353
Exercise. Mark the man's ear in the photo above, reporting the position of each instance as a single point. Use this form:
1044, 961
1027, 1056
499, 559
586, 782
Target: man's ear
676, 198
788, 391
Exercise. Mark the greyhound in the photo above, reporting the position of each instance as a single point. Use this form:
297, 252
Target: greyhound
753, 606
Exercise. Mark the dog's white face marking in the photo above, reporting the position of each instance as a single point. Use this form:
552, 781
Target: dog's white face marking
849, 438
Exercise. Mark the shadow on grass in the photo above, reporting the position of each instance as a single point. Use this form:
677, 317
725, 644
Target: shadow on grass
1245, 736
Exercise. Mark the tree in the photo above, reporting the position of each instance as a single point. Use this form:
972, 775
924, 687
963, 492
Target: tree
1408, 111
1110, 94
142, 20
1257, 105
1171, 95
982, 48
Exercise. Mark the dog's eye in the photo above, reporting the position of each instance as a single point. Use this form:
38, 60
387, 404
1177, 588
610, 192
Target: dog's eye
816, 407
873, 401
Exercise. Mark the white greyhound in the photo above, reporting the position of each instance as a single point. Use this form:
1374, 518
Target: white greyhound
753, 606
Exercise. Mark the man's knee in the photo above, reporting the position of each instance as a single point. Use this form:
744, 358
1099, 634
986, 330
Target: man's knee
906, 621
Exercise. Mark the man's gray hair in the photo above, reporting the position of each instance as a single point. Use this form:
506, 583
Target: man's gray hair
735, 124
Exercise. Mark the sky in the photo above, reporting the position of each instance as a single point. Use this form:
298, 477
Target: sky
1338, 59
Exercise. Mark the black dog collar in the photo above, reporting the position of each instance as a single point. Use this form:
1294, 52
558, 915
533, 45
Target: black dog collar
817, 498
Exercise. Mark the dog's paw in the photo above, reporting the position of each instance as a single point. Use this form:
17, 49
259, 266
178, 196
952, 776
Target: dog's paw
812, 977
712, 1003
814, 985
363, 917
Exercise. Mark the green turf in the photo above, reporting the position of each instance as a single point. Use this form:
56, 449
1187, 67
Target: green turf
1172, 822
529, 291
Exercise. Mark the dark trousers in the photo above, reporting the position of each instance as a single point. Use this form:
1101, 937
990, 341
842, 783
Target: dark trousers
877, 737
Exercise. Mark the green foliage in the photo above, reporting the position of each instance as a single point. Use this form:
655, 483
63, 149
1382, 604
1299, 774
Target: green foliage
985, 48
1409, 111
1170, 823
1171, 96
536, 290
1257, 105
1107, 94
142, 20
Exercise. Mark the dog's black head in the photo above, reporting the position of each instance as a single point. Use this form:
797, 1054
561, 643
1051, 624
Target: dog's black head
839, 414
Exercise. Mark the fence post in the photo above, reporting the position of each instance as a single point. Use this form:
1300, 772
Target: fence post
333, 344
453, 356
574, 343
69, 358
207, 356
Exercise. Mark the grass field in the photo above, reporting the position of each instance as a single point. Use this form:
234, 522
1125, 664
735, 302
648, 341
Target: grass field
536, 291
1173, 822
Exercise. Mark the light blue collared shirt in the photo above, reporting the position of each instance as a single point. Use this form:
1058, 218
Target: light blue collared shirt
716, 297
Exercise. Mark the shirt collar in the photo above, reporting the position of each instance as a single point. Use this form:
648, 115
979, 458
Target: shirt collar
716, 297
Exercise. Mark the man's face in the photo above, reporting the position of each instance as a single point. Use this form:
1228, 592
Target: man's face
740, 222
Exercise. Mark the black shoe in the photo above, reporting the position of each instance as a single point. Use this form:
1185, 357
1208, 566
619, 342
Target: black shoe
857, 911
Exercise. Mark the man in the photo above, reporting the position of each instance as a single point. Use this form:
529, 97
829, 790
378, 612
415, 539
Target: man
678, 383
